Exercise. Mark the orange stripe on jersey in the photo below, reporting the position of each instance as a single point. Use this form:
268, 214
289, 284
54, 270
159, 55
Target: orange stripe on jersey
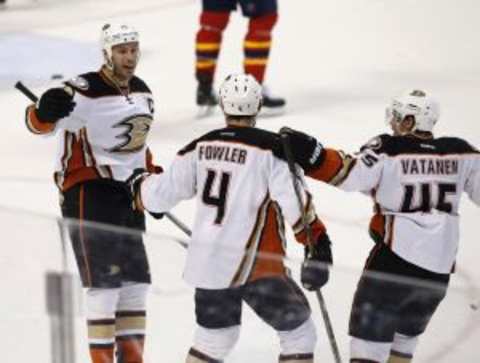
35, 125
151, 167
242, 271
78, 176
78, 161
317, 227
377, 228
271, 249
329, 168
87, 149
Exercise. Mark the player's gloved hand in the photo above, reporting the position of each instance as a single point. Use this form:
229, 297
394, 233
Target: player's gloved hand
315, 267
134, 182
307, 151
54, 104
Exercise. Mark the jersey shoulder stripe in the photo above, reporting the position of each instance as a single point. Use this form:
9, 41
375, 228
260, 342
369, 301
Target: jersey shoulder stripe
409, 144
249, 136
138, 85
95, 85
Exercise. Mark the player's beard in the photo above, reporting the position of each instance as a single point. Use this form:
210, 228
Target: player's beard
124, 74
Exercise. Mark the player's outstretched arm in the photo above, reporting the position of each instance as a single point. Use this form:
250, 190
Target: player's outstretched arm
307, 227
54, 104
307, 151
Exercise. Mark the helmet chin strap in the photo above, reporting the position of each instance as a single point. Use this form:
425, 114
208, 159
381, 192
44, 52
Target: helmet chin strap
107, 60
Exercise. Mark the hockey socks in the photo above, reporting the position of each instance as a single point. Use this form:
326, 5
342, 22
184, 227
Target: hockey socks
257, 45
208, 42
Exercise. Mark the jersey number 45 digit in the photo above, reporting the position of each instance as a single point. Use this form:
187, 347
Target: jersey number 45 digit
425, 197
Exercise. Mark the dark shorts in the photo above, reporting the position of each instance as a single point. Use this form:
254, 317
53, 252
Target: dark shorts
250, 8
278, 301
384, 305
105, 255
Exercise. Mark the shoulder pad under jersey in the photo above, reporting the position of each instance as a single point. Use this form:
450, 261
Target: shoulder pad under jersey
377, 143
454, 145
91, 85
138, 85
251, 136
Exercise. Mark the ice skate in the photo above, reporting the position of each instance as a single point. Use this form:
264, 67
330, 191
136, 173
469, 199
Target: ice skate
206, 100
272, 105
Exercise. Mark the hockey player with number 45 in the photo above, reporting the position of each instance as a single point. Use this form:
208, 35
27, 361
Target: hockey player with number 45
243, 190
102, 120
416, 181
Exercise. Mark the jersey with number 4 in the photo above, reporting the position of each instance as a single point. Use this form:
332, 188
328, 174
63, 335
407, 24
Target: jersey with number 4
243, 192
416, 184
105, 135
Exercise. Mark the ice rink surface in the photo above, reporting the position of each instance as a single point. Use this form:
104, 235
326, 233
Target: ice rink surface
336, 62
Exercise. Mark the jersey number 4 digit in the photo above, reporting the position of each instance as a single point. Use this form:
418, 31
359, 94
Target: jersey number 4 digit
218, 200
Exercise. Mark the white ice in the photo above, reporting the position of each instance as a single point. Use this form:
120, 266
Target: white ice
336, 62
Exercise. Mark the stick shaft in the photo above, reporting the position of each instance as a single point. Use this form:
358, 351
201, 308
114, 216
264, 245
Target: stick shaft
26, 91
321, 301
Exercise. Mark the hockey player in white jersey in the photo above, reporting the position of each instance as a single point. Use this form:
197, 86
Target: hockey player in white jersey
244, 191
102, 121
416, 181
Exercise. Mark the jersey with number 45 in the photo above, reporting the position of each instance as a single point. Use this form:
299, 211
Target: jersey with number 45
243, 191
105, 135
416, 184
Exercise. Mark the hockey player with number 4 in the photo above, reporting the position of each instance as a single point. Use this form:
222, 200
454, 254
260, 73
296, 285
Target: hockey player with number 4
102, 121
416, 181
243, 190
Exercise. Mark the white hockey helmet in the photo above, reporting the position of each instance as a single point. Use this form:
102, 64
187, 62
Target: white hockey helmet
424, 109
115, 34
240, 95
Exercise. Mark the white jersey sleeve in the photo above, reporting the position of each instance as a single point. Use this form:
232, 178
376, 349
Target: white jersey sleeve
472, 185
243, 191
161, 192
417, 186
365, 173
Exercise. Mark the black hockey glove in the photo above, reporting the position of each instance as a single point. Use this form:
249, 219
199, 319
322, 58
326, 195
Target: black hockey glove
134, 182
315, 267
54, 104
307, 151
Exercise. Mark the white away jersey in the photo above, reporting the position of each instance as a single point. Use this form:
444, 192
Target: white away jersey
243, 191
105, 135
416, 184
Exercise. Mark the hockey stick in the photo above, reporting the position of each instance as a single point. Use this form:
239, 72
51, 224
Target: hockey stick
296, 184
179, 224
29, 94
32, 97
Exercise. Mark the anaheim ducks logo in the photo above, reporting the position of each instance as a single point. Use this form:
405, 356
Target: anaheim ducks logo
135, 134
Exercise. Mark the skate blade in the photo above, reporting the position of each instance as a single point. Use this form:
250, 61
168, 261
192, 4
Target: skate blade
272, 111
205, 111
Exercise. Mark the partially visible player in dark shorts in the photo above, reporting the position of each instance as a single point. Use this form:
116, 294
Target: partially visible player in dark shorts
278, 301
394, 299
102, 139
106, 254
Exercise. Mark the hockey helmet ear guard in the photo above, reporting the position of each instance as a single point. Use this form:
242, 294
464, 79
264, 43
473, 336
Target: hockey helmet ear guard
116, 34
424, 109
240, 95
